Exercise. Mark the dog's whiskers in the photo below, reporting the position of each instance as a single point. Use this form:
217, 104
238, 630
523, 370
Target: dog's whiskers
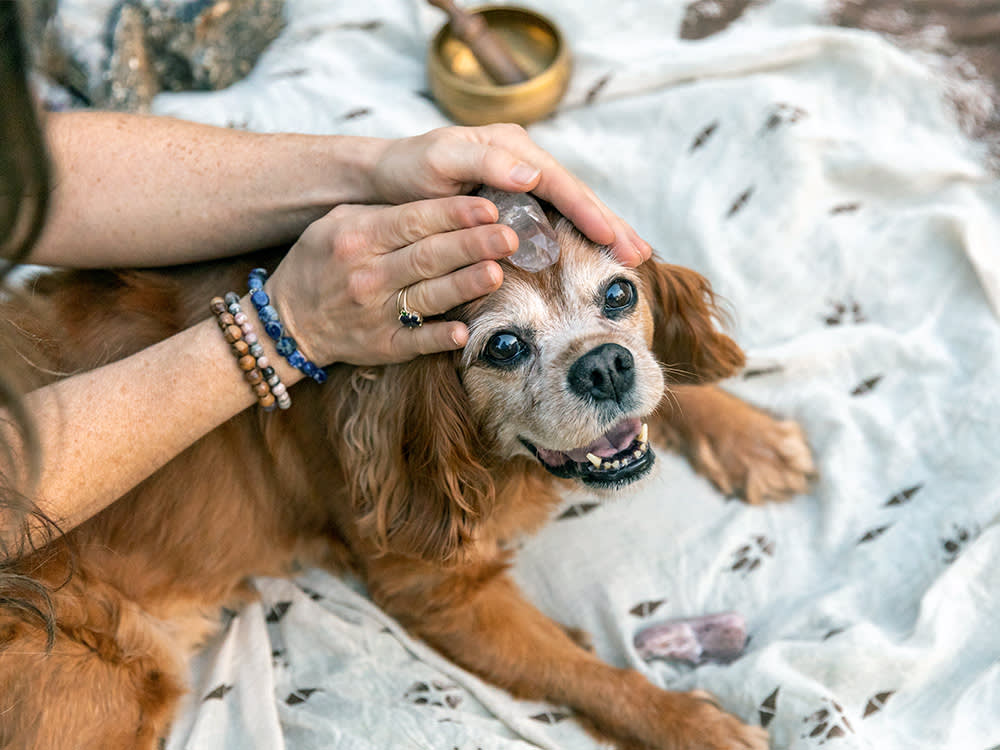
672, 401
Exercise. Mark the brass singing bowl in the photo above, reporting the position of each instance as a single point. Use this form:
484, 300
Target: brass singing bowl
465, 92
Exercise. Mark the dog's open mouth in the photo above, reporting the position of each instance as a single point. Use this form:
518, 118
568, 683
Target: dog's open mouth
619, 456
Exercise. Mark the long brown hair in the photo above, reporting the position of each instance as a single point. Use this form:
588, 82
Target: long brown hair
24, 197
24, 170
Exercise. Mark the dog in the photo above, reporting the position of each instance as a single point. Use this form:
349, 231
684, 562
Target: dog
413, 475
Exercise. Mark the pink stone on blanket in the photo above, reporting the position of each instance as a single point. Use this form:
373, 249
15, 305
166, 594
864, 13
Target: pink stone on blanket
718, 637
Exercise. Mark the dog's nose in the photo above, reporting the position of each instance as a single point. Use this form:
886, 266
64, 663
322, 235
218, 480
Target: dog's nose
605, 373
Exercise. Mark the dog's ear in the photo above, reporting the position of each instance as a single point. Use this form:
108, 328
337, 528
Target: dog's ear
420, 487
686, 314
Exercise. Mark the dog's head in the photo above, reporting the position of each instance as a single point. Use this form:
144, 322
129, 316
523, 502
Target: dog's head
567, 363
563, 367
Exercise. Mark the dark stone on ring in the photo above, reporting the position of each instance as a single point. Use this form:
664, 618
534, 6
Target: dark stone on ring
411, 319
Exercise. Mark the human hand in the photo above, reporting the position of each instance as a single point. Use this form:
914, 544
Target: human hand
454, 160
336, 289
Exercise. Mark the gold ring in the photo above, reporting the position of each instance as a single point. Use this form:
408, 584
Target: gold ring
408, 318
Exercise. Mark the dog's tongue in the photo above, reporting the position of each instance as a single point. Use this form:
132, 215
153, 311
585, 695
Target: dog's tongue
615, 440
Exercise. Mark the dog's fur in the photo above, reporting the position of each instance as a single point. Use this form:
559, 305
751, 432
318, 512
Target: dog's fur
413, 475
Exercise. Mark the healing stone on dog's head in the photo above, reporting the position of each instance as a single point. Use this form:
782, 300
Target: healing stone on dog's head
538, 246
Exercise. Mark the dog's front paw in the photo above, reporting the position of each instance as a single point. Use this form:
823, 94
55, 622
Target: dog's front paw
696, 721
680, 721
723, 731
761, 459
703, 725
743, 450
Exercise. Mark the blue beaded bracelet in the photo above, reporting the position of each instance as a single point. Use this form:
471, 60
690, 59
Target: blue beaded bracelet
268, 315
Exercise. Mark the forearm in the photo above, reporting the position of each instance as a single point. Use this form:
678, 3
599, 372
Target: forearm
131, 417
139, 191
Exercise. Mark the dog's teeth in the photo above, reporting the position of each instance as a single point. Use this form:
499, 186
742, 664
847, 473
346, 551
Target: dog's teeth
594, 460
637, 454
606, 465
616, 464
644, 433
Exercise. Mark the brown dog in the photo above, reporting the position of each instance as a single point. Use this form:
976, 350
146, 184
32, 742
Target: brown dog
414, 475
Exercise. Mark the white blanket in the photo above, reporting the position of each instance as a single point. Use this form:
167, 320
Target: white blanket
819, 178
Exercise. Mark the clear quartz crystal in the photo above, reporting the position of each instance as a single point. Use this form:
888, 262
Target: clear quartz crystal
521, 212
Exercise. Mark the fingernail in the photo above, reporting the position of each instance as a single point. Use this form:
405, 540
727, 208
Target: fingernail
644, 248
500, 243
494, 276
485, 213
524, 174
627, 251
460, 336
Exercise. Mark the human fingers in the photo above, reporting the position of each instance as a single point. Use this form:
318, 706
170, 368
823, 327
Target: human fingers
628, 246
624, 242
435, 296
454, 160
441, 254
438, 295
504, 157
503, 153
430, 338
645, 249
578, 203
387, 228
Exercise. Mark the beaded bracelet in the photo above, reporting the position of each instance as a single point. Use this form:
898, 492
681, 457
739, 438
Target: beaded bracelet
256, 350
286, 345
236, 337
239, 333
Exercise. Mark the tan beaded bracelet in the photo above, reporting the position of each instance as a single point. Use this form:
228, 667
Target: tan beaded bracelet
253, 362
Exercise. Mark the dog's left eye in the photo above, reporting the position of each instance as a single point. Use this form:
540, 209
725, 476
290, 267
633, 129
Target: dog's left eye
619, 296
504, 348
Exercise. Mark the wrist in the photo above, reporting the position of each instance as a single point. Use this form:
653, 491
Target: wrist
297, 179
351, 161
286, 373
282, 330
252, 358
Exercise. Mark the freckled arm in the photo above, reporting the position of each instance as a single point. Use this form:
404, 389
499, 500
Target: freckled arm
129, 190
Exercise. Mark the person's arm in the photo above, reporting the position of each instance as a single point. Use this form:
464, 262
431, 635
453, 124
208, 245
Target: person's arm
132, 190
150, 407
